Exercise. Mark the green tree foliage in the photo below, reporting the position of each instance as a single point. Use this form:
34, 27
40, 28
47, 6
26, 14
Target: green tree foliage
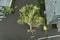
30, 14
42, 4
7, 10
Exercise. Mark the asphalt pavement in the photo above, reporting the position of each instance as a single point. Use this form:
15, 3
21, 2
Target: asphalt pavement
11, 30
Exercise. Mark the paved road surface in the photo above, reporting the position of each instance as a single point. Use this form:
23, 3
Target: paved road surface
10, 30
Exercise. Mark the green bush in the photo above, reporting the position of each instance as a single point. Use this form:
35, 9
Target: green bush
42, 4
7, 10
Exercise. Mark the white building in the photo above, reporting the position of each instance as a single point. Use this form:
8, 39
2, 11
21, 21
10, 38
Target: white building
53, 12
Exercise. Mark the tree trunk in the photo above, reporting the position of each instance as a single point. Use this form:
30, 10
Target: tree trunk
31, 28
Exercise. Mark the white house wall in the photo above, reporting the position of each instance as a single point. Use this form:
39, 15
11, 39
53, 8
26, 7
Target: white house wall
57, 7
49, 10
53, 12
5, 3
